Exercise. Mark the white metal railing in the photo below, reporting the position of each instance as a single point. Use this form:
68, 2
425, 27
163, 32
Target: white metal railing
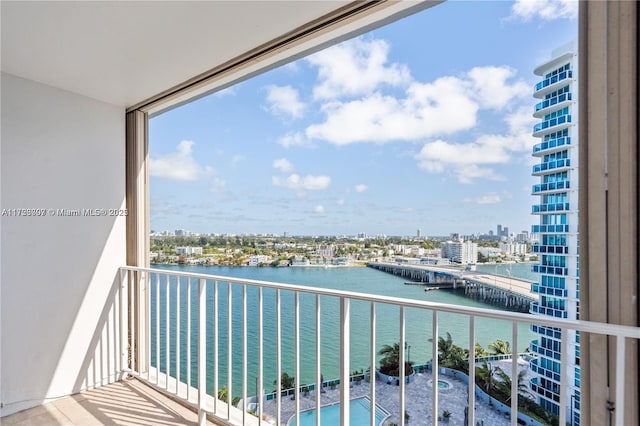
138, 284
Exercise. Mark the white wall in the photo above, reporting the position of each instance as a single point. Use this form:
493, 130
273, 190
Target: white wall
58, 150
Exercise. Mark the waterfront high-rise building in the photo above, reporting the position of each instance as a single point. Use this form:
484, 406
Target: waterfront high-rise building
557, 249
463, 252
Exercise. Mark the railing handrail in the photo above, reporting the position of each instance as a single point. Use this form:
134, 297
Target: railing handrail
578, 325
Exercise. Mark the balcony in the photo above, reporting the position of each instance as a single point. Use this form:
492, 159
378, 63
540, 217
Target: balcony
558, 101
552, 145
551, 165
538, 309
556, 292
538, 248
550, 84
550, 187
551, 270
550, 207
557, 123
550, 229
161, 328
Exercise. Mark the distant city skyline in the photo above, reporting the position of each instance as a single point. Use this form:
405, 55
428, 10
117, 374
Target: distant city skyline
285, 234
383, 134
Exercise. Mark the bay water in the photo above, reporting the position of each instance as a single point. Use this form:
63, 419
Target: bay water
356, 279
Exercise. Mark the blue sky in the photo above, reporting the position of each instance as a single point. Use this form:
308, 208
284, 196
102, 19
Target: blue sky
422, 124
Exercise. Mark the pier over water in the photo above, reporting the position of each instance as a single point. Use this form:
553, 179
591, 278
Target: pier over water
507, 292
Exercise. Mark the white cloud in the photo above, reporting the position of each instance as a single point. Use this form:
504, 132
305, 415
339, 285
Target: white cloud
285, 100
236, 159
488, 199
298, 183
546, 10
218, 186
490, 88
318, 209
354, 68
361, 187
282, 164
340, 202
470, 161
444, 106
485, 199
294, 139
178, 165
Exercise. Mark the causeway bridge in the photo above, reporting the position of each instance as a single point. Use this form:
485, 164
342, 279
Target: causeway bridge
509, 292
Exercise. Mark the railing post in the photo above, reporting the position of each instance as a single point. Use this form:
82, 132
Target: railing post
244, 354
514, 374
216, 330
167, 331
318, 358
472, 371
124, 325
401, 370
620, 375
434, 368
372, 368
229, 349
260, 357
344, 358
202, 352
296, 350
157, 329
278, 360
564, 362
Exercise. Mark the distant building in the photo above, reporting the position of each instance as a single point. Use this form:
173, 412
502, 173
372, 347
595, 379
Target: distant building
189, 251
258, 259
490, 252
418, 234
513, 249
463, 252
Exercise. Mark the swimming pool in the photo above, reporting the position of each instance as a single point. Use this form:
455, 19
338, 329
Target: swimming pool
359, 410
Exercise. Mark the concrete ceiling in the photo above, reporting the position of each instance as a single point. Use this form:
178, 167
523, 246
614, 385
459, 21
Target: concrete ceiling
125, 52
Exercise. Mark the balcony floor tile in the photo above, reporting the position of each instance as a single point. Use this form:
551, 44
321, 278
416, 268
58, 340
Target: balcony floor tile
128, 402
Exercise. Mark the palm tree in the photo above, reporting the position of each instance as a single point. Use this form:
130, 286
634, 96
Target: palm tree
286, 382
480, 351
449, 354
390, 354
504, 384
390, 362
499, 347
485, 375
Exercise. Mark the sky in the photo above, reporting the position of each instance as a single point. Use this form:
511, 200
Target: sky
422, 124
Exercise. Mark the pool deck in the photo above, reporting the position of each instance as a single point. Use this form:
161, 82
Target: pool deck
417, 401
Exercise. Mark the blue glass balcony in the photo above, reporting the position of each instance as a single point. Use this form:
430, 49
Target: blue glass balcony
551, 165
555, 292
553, 207
550, 186
535, 366
538, 248
553, 101
550, 144
549, 229
554, 79
551, 270
551, 123
550, 312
